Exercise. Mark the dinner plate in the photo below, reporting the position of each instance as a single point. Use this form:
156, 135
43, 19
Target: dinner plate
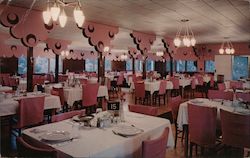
85, 118
127, 130
56, 136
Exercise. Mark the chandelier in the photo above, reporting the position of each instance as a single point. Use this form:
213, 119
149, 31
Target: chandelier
159, 53
226, 47
124, 57
187, 38
55, 11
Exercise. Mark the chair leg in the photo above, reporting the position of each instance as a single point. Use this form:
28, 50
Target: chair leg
191, 149
176, 135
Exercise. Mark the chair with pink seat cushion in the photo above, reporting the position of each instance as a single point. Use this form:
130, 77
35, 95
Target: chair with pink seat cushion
28, 148
155, 148
140, 93
176, 86
60, 93
162, 92
89, 97
30, 112
174, 104
147, 110
244, 96
217, 94
235, 129
120, 80
221, 86
202, 126
67, 115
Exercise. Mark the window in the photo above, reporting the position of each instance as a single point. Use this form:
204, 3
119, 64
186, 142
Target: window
41, 65
180, 65
129, 65
168, 66
149, 65
107, 65
138, 65
191, 66
22, 65
91, 65
52, 63
240, 67
209, 66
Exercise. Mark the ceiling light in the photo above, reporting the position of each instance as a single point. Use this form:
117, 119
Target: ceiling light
159, 53
226, 47
54, 12
62, 53
187, 38
124, 57
46, 16
106, 49
62, 19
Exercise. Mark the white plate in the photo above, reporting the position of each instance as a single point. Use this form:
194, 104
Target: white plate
127, 130
56, 136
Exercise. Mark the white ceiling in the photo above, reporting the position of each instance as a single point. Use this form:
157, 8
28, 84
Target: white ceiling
210, 20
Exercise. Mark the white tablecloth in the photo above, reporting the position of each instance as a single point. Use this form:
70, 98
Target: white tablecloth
182, 118
153, 86
9, 106
95, 142
185, 82
75, 94
5, 88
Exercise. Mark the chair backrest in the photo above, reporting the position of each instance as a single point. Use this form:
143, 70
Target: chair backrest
30, 111
175, 104
27, 149
6, 80
235, 129
163, 86
147, 110
244, 96
83, 81
202, 124
176, 83
139, 89
120, 79
60, 94
211, 80
221, 86
217, 94
108, 83
156, 148
200, 80
236, 84
89, 94
66, 115
193, 84
13, 82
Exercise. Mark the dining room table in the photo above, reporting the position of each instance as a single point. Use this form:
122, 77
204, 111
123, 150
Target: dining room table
5, 88
92, 141
231, 106
72, 94
153, 86
9, 105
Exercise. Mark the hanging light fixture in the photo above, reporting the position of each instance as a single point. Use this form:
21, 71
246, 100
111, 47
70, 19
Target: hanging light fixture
159, 53
187, 38
54, 12
47, 15
124, 56
226, 47
62, 19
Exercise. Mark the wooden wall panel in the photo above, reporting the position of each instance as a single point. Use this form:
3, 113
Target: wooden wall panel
9, 65
118, 65
73, 65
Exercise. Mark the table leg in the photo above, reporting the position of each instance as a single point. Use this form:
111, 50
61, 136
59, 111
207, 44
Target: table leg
186, 133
